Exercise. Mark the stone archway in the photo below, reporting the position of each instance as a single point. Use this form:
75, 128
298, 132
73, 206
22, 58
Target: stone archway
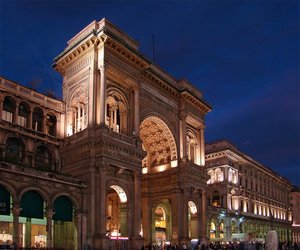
192, 217
116, 212
162, 224
160, 145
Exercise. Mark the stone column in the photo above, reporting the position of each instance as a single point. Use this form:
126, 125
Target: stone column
137, 110
204, 216
137, 204
44, 123
202, 147
16, 213
78, 222
123, 219
182, 123
199, 218
1, 105
102, 94
28, 232
102, 203
184, 215
84, 229
93, 193
176, 225
147, 218
49, 215
92, 89
15, 118
30, 118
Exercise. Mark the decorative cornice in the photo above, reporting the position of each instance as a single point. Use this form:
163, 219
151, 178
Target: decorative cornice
199, 103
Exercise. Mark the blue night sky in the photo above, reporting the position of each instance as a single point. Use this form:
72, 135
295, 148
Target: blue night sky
243, 56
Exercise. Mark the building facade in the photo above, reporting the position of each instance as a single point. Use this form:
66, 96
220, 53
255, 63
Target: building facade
120, 161
38, 203
245, 198
295, 204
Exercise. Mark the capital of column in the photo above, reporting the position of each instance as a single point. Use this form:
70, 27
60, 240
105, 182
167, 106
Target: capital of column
138, 175
16, 210
182, 115
49, 213
201, 128
136, 87
103, 168
103, 67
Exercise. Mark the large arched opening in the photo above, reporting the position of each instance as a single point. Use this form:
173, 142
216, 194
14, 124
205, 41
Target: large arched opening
159, 143
116, 213
192, 216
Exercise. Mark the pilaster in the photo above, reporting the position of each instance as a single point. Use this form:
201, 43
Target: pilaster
16, 213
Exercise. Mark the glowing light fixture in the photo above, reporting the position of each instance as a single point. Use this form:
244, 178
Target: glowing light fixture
174, 164
161, 168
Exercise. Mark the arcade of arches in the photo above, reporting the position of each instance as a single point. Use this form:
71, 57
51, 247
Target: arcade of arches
234, 228
34, 221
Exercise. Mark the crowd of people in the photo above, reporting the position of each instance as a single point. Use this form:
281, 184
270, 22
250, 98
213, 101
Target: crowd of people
223, 246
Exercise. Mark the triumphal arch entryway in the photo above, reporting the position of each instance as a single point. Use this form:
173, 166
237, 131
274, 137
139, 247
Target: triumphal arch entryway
136, 136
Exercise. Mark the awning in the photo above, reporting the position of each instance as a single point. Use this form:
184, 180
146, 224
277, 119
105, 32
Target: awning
32, 205
63, 209
4, 201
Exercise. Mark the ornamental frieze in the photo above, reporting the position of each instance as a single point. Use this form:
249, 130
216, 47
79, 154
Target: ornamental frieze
121, 65
79, 65
160, 181
152, 93
77, 80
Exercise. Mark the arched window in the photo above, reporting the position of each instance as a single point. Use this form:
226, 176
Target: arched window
222, 229
77, 111
51, 124
43, 158
9, 107
211, 173
219, 175
191, 147
212, 230
116, 112
23, 114
37, 119
15, 150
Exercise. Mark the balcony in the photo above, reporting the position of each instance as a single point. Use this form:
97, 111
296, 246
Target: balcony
28, 132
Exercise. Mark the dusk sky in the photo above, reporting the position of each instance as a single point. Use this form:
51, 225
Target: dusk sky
243, 56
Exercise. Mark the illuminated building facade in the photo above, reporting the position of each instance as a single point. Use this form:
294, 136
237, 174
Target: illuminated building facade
245, 198
121, 157
32, 185
295, 203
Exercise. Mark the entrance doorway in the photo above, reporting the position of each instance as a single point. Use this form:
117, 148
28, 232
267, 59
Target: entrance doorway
160, 225
116, 213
